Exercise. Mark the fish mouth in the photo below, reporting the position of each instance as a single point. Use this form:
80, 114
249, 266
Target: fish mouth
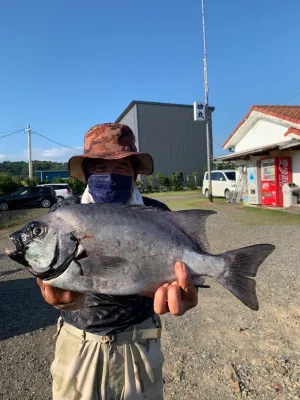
17, 254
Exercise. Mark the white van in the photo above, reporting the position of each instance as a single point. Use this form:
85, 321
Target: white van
222, 182
62, 190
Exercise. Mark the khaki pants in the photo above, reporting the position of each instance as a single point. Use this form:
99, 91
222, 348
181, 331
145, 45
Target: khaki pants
126, 366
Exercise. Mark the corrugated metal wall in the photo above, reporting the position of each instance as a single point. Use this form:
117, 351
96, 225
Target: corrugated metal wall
130, 119
170, 135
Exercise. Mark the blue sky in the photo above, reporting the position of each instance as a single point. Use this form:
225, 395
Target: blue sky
67, 65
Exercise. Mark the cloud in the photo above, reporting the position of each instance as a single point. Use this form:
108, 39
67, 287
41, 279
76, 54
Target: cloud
60, 154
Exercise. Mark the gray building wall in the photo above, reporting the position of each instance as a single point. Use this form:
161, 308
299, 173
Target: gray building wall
130, 119
170, 135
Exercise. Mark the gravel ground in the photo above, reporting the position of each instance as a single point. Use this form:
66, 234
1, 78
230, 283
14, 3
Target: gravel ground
218, 350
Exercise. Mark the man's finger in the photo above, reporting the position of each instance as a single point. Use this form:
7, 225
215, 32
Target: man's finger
160, 300
187, 286
175, 302
183, 276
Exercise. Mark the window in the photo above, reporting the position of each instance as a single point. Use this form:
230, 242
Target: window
214, 176
230, 175
220, 176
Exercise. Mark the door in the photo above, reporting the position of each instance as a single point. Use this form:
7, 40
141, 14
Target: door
268, 182
35, 194
214, 183
222, 184
20, 198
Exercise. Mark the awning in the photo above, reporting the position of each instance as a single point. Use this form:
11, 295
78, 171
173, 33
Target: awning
260, 150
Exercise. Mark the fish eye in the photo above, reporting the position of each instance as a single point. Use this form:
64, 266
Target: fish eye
37, 231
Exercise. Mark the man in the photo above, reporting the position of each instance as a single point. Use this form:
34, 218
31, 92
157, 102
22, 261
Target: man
109, 347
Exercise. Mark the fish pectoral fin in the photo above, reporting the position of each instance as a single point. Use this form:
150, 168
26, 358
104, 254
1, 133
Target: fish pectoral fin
104, 266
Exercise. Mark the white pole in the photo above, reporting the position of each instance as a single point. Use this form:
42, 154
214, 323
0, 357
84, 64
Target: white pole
207, 113
30, 172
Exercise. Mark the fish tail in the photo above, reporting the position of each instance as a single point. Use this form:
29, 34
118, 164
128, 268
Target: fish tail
240, 266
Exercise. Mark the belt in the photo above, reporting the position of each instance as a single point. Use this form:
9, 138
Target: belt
134, 335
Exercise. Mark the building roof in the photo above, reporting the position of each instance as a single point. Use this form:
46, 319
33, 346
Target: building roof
134, 102
295, 144
292, 131
286, 113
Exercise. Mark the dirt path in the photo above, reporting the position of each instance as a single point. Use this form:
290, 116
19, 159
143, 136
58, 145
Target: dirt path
218, 350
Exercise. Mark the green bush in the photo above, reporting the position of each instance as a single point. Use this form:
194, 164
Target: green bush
176, 182
149, 185
8, 183
76, 186
30, 182
164, 182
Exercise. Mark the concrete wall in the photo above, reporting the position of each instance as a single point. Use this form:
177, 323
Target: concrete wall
262, 133
296, 167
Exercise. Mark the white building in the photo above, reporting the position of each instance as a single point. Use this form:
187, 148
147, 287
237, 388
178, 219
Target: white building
267, 136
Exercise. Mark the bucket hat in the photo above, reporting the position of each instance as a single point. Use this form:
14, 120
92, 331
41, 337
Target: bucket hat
109, 141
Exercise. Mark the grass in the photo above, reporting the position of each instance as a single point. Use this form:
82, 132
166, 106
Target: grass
180, 192
249, 216
184, 199
265, 216
14, 218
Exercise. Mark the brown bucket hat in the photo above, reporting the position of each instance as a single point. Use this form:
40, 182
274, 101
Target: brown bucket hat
109, 142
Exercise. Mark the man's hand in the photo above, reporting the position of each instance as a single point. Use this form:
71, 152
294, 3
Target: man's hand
176, 297
60, 299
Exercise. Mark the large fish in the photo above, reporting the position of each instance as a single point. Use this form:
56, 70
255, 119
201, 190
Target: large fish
125, 250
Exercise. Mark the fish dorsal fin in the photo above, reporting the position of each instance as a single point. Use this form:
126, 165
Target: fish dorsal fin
192, 222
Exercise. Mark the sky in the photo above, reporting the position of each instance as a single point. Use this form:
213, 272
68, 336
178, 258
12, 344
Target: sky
67, 65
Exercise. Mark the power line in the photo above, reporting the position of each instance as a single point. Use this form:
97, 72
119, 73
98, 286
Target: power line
10, 134
291, 97
13, 131
218, 144
53, 141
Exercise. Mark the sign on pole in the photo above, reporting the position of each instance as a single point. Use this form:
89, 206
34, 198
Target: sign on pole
199, 111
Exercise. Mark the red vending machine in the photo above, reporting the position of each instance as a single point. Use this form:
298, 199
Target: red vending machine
275, 172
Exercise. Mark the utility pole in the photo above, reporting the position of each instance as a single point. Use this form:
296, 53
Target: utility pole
207, 111
30, 172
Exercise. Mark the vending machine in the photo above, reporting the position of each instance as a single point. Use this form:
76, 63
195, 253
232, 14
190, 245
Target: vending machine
253, 179
275, 172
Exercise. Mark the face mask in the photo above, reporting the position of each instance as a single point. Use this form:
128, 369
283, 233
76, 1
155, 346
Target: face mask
110, 188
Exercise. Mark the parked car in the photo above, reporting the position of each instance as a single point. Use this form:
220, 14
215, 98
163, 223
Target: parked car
222, 183
62, 190
28, 197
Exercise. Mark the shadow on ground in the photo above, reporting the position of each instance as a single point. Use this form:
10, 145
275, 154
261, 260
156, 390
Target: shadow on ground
12, 271
22, 308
